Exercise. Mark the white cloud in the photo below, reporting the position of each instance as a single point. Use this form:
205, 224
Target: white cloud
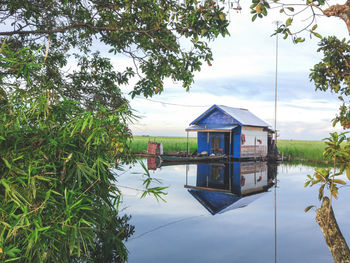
242, 75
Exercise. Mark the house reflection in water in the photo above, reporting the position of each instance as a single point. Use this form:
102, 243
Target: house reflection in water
223, 187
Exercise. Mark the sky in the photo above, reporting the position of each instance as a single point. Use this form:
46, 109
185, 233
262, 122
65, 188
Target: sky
243, 76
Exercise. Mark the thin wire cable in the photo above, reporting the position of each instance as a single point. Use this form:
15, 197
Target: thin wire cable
174, 104
165, 225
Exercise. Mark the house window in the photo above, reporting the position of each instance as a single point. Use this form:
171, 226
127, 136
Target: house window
215, 144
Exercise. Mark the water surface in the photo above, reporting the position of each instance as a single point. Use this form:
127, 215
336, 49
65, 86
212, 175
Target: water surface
209, 226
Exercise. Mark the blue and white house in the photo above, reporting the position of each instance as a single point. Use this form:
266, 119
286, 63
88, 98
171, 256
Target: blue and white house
231, 131
223, 187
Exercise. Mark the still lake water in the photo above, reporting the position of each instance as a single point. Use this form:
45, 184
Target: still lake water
197, 224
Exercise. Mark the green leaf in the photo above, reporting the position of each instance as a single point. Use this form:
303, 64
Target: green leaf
348, 172
320, 192
317, 35
7, 163
84, 124
299, 40
259, 8
339, 181
12, 259
319, 177
289, 22
254, 17
308, 208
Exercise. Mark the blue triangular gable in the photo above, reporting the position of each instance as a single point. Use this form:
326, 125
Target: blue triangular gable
214, 202
219, 114
215, 116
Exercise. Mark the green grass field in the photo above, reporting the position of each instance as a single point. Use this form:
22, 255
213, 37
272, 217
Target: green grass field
302, 150
290, 149
170, 144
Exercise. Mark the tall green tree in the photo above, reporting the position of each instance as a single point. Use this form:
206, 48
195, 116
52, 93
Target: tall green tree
330, 74
164, 39
64, 120
58, 200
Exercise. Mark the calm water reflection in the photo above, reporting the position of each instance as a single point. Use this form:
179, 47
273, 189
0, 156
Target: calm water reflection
225, 213
224, 187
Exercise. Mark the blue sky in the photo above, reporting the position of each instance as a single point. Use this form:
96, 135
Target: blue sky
242, 75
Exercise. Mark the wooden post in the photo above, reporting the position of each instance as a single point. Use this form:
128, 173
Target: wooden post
255, 148
331, 232
255, 173
187, 174
229, 176
187, 145
230, 150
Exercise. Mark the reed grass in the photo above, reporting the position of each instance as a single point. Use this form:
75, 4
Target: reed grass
302, 150
170, 144
290, 149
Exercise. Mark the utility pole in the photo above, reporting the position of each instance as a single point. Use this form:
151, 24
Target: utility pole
276, 72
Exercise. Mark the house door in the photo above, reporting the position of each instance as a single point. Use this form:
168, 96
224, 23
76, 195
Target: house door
215, 144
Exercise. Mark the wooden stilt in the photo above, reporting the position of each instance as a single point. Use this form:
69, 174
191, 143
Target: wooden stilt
187, 146
230, 150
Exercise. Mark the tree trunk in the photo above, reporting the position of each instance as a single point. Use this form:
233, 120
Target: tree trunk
331, 232
341, 11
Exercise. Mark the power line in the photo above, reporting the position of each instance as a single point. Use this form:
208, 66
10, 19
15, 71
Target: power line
174, 104
165, 225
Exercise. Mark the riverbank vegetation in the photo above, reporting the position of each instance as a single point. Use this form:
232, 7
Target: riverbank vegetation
302, 150
290, 149
64, 120
170, 144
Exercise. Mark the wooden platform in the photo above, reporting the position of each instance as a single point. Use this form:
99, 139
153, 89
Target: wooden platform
167, 158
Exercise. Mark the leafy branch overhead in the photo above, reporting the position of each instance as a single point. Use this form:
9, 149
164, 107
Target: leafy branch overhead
332, 72
164, 39
306, 13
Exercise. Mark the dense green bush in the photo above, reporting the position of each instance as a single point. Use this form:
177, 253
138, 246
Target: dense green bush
58, 202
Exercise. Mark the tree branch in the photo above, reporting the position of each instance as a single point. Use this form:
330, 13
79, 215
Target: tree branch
77, 25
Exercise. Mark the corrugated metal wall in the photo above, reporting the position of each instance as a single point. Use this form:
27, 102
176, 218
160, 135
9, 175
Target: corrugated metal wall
253, 142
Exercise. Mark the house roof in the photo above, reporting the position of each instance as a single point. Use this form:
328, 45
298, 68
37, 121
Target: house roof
216, 127
218, 203
243, 116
